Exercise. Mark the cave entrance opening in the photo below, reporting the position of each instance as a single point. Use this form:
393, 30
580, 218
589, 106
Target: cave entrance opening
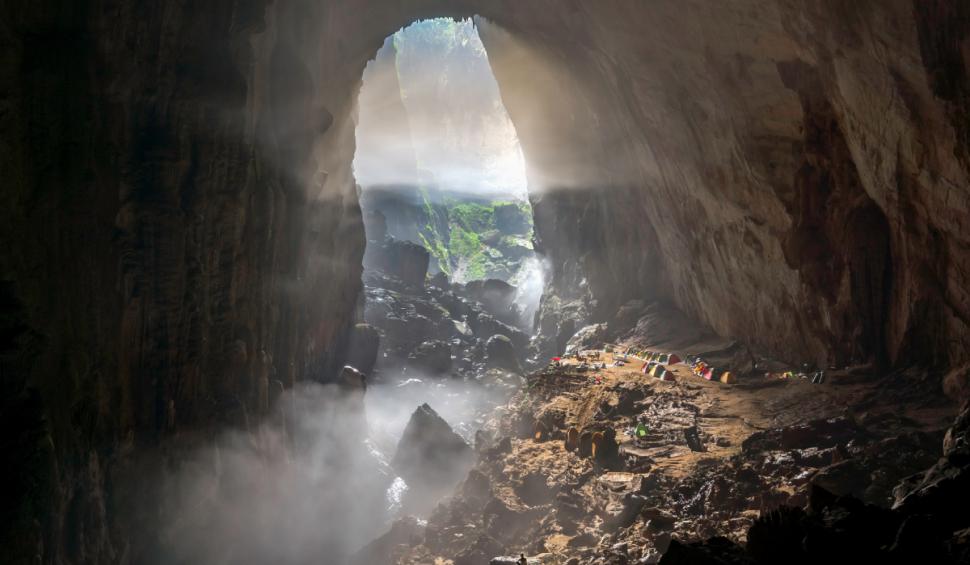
439, 164
451, 279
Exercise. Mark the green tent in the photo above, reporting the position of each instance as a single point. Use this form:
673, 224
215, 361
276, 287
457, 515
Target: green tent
641, 431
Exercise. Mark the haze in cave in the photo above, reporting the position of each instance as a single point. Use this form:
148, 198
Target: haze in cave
457, 283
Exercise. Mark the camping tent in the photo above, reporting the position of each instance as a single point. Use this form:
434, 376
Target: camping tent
672, 359
728, 378
641, 431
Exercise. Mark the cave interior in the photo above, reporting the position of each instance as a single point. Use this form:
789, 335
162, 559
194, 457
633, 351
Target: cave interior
467, 281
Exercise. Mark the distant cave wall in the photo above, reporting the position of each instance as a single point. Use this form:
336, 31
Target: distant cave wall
182, 238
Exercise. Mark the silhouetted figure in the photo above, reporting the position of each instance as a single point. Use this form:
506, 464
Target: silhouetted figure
572, 439
597, 442
585, 444
607, 450
540, 432
522, 560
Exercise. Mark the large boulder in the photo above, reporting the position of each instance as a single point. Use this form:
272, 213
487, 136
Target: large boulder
497, 297
956, 384
352, 380
500, 354
592, 336
431, 458
405, 260
431, 356
485, 326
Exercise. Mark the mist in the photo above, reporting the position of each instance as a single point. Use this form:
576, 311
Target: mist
529, 283
302, 485
312, 482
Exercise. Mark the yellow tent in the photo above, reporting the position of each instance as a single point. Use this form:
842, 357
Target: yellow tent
728, 378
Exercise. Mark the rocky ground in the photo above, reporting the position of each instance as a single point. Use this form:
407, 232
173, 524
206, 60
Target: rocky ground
436, 328
716, 463
715, 459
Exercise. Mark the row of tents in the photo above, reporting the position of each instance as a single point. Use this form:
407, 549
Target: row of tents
655, 356
655, 362
704, 370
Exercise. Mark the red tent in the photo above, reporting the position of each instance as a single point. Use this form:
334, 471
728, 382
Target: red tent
673, 359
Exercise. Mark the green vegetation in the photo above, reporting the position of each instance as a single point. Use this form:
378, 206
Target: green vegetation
473, 240
473, 216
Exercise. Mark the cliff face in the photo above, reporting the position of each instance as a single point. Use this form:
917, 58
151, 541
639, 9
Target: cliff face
182, 238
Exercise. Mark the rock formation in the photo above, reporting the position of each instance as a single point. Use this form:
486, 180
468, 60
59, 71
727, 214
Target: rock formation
405, 260
500, 353
432, 356
430, 457
428, 446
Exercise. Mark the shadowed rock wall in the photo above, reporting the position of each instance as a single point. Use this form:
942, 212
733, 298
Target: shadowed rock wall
182, 238
174, 251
